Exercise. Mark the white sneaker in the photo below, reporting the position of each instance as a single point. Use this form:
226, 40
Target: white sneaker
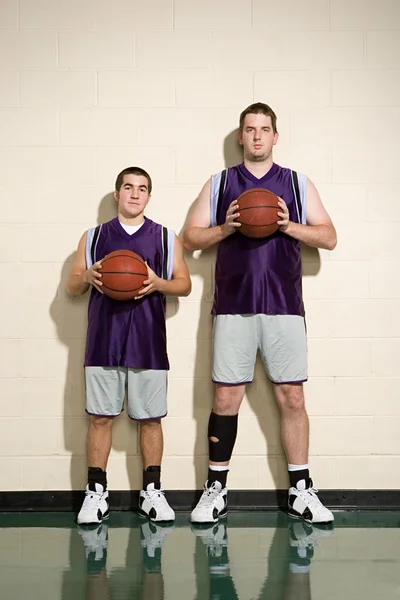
153, 536
305, 504
212, 505
153, 504
95, 506
96, 544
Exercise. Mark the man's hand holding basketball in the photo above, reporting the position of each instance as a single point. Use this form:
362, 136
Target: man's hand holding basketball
152, 284
284, 216
230, 224
93, 277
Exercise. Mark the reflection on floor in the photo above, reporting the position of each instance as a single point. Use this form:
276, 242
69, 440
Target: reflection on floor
249, 556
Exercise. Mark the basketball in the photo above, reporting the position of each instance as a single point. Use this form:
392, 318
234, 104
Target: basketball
123, 273
258, 209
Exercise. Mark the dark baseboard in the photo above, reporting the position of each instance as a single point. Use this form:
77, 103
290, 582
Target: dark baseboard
183, 500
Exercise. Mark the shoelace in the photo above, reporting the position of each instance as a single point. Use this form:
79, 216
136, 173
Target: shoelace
156, 494
209, 495
312, 491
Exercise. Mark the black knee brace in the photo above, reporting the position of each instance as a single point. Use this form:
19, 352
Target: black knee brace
224, 429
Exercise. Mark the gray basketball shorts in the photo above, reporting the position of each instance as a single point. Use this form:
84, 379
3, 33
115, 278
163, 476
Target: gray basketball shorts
145, 390
281, 340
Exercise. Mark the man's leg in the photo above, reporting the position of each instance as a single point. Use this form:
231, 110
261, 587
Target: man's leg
151, 444
99, 439
294, 430
283, 346
234, 355
303, 499
147, 403
222, 430
105, 389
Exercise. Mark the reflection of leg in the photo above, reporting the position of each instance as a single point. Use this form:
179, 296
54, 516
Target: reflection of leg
152, 539
303, 538
96, 543
97, 587
152, 501
216, 542
302, 543
222, 430
152, 586
95, 506
298, 587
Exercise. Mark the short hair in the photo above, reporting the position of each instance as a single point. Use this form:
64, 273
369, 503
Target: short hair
256, 109
132, 171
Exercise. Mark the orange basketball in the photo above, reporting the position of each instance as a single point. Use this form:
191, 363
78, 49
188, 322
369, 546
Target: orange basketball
258, 209
122, 274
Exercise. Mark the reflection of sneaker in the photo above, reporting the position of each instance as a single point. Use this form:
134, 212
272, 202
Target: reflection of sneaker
96, 543
95, 506
152, 539
212, 505
305, 504
303, 538
214, 538
153, 504
153, 536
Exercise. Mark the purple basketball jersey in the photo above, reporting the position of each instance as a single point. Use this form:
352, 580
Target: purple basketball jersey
130, 333
258, 276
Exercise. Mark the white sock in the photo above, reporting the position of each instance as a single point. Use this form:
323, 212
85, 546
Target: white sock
297, 467
218, 468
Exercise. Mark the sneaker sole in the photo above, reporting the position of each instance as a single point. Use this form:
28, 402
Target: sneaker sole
221, 516
144, 515
104, 518
300, 518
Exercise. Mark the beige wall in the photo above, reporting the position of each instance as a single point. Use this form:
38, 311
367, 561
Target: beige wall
89, 87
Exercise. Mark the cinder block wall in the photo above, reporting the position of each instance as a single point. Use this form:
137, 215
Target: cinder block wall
89, 87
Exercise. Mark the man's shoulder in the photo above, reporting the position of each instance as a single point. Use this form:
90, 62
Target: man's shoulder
287, 171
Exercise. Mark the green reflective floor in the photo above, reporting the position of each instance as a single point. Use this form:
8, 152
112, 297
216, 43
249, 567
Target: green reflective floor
261, 556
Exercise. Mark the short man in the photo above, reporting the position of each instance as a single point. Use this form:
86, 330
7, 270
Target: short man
258, 305
126, 342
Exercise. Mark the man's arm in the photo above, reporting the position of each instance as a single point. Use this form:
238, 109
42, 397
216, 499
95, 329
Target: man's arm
81, 277
199, 234
319, 231
179, 285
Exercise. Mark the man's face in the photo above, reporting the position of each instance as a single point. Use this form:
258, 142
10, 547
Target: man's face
133, 195
257, 137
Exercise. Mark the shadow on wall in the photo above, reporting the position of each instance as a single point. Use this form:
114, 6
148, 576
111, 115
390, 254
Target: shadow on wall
70, 318
259, 399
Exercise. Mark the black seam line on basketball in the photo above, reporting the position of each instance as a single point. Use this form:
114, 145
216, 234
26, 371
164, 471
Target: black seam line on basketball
118, 255
122, 291
123, 273
258, 206
263, 225
122, 256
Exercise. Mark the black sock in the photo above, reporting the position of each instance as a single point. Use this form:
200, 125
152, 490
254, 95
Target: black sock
220, 476
152, 475
296, 476
96, 475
